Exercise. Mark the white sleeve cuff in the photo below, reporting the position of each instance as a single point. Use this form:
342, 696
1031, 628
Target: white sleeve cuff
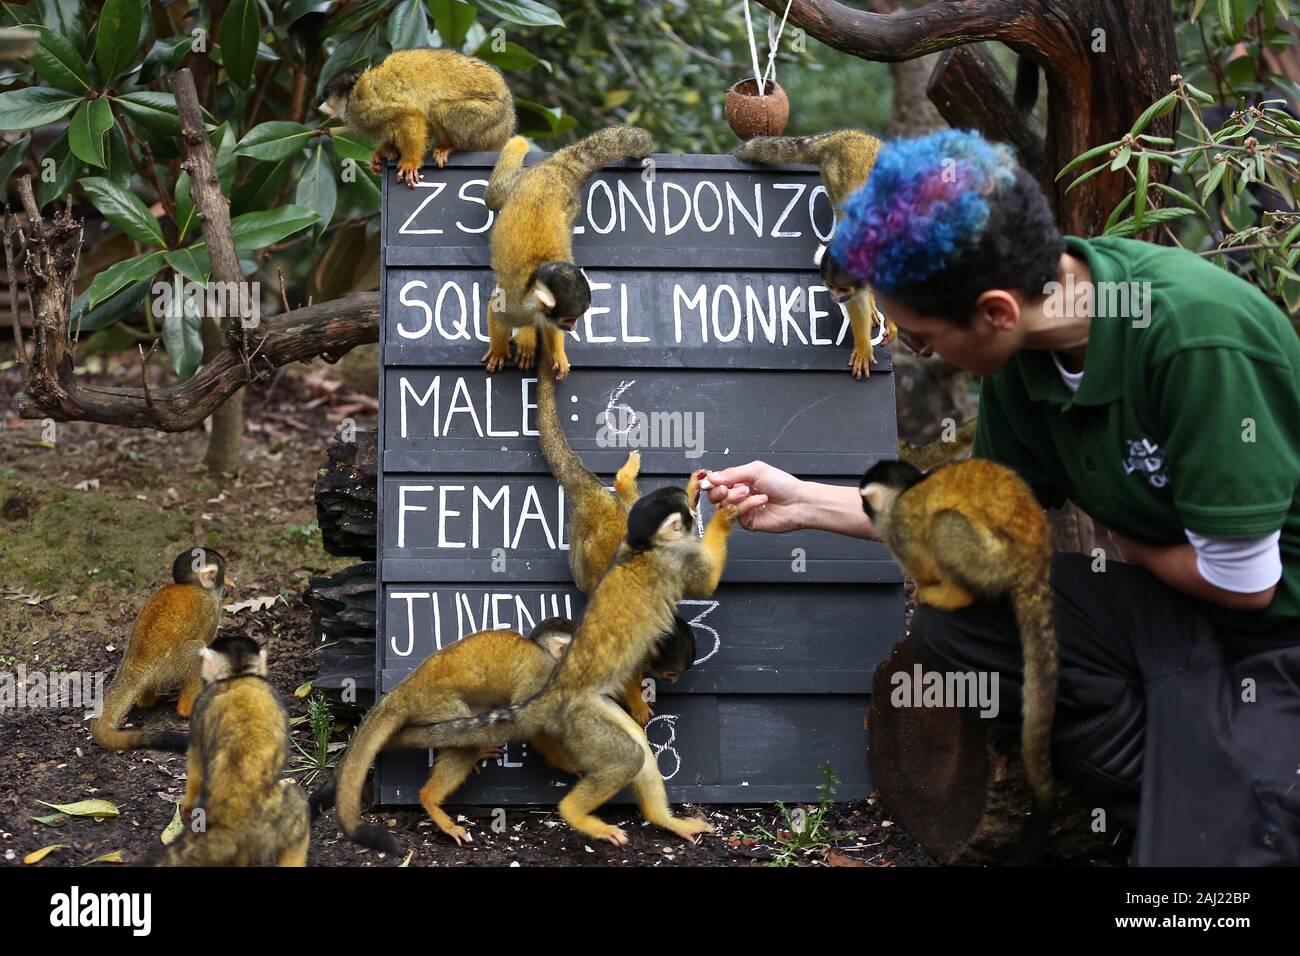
1243, 565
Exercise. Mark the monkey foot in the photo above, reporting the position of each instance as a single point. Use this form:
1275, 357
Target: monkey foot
494, 360
459, 834
440, 156
642, 714
525, 355
614, 835
690, 830
410, 175
561, 369
860, 362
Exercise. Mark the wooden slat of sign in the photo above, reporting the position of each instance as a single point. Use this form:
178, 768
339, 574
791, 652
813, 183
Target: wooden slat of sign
705, 304
681, 318
464, 420
710, 749
479, 527
671, 215
750, 638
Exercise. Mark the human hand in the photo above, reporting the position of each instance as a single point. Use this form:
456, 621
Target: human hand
766, 498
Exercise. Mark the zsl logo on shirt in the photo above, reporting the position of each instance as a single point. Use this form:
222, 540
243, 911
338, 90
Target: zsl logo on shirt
1146, 457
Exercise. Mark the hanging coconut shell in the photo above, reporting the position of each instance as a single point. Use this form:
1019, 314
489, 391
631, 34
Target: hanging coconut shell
750, 115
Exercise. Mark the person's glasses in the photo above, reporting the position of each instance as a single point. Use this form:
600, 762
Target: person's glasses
922, 347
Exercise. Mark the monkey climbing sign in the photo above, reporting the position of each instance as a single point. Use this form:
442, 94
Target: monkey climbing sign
709, 341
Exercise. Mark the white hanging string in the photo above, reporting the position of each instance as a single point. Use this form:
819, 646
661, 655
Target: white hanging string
753, 49
773, 46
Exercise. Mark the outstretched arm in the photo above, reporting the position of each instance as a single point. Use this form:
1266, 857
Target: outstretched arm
706, 570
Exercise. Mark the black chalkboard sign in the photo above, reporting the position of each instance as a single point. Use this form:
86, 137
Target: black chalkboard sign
710, 342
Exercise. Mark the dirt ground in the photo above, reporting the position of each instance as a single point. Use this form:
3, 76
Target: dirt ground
90, 518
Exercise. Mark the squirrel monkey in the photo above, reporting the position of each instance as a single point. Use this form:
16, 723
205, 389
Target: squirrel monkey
532, 241
492, 668
239, 739
632, 608
845, 158
972, 530
486, 669
162, 651
597, 520
415, 96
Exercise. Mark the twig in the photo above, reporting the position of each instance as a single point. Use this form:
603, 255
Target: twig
694, 51
631, 71
144, 371
14, 308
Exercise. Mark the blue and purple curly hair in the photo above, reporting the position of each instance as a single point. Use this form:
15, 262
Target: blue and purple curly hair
942, 219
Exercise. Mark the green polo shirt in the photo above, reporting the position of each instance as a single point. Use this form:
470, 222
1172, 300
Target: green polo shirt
1187, 417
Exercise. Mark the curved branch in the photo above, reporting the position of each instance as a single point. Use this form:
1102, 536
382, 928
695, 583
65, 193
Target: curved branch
328, 328
890, 37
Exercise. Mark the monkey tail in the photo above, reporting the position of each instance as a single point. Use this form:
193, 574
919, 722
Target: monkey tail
323, 799
214, 847
1026, 95
603, 147
383, 720
1032, 604
565, 465
780, 150
122, 693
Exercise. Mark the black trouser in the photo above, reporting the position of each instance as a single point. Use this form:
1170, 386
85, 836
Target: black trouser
1187, 732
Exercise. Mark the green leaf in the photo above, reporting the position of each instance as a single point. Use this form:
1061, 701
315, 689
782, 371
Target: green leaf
153, 111
1085, 157
1226, 21
227, 163
1212, 181
1182, 197
274, 140
528, 13
1140, 193
541, 120
1199, 94
257, 230
453, 19
348, 145
240, 28
1159, 108
87, 129
317, 189
1121, 160
182, 332
14, 155
261, 193
66, 170
58, 63
511, 57
122, 274
184, 203
295, 10
192, 262
408, 26
118, 38
124, 209
119, 155
1117, 212
35, 106
122, 304
350, 51
1196, 10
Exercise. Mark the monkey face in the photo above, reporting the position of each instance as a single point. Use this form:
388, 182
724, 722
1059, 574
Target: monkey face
660, 517
561, 293
337, 91
841, 285
201, 566
675, 654
554, 634
882, 483
232, 657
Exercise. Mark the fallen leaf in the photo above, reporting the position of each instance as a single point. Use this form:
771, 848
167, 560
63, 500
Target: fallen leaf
53, 820
255, 605
835, 858
85, 808
407, 861
37, 855
114, 857
302, 690
173, 829
90, 484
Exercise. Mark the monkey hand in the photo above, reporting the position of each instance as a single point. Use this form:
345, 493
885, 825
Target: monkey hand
494, 360
440, 155
378, 156
641, 711
861, 360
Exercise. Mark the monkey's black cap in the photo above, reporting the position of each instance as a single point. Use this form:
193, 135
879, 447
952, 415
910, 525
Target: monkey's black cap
651, 510
891, 474
569, 287
236, 646
341, 83
186, 566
